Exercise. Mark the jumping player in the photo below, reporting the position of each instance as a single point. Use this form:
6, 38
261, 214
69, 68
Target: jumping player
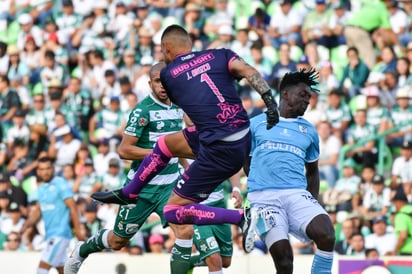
202, 84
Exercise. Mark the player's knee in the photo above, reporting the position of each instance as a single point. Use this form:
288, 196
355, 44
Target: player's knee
226, 262
321, 231
214, 261
117, 243
326, 241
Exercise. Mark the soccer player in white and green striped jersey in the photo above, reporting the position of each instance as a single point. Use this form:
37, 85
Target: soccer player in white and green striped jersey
153, 117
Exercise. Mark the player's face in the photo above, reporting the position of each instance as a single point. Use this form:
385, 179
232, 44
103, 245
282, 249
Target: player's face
299, 97
158, 90
45, 171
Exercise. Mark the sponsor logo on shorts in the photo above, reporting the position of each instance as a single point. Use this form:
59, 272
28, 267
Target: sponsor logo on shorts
131, 228
212, 243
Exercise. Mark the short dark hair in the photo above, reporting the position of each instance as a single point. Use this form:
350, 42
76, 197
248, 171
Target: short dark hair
353, 49
49, 54
305, 76
98, 54
45, 160
174, 29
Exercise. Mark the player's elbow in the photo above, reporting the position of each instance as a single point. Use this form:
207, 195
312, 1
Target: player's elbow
123, 152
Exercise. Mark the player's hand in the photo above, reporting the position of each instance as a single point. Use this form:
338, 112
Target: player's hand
236, 198
272, 113
272, 117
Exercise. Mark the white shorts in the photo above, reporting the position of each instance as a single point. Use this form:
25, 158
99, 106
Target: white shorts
55, 251
281, 212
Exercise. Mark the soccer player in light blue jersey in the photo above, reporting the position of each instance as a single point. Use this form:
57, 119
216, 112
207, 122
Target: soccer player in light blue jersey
283, 179
53, 202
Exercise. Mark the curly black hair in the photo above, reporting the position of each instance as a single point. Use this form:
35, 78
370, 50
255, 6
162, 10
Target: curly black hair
306, 76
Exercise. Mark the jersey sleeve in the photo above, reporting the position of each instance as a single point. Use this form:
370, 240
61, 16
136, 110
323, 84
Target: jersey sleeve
138, 120
64, 188
312, 153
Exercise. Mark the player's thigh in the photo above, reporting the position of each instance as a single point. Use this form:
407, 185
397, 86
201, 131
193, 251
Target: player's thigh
130, 220
55, 251
214, 163
272, 224
178, 145
302, 208
223, 235
205, 241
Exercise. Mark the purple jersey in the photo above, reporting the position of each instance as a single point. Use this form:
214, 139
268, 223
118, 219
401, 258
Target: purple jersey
203, 86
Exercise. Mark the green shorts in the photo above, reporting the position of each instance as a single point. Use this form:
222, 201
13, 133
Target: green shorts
210, 239
130, 220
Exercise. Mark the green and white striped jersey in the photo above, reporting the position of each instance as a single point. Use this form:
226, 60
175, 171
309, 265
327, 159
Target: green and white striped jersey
149, 120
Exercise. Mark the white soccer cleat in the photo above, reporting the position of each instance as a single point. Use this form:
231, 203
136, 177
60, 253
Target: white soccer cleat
74, 262
247, 226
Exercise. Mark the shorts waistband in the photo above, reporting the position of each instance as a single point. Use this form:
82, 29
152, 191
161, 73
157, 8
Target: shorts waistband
236, 136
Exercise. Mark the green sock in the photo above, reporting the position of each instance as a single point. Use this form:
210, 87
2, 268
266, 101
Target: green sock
180, 258
196, 261
95, 243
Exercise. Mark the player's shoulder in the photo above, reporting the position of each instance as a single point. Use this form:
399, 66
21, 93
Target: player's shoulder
60, 182
306, 126
258, 120
143, 105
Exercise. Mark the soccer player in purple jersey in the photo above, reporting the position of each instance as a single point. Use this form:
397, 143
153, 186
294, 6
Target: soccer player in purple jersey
202, 84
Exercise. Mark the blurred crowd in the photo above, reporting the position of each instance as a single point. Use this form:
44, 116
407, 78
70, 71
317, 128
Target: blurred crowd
71, 71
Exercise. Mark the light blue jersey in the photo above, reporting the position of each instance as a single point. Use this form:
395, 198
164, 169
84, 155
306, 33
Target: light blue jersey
55, 213
295, 142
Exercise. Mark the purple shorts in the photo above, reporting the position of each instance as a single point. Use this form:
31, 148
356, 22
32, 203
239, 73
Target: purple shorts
213, 164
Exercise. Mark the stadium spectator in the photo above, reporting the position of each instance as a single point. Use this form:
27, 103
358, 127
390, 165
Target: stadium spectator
283, 66
366, 155
16, 193
103, 156
87, 182
10, 102
348, 229
338, 114
401, 116
64, 150
381, 239
355, 73
315, 27
315, 111
329, 147
356, 245
377, 114
370, 21
28, 28
17, 66
13, 242
285, 25
376, 200
403, 224
259, 22
401, 169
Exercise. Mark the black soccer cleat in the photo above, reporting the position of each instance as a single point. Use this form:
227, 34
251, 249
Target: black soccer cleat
113, 197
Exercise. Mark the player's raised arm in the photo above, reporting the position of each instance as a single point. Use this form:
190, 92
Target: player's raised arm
243, 70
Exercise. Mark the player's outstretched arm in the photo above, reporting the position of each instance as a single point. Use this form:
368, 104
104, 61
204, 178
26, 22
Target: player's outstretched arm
244, 70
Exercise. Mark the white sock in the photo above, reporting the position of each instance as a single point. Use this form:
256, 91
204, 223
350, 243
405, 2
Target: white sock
216, 272
184, 242
105, 238
42, 271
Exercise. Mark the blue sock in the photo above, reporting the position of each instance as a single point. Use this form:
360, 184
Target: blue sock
322, 262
